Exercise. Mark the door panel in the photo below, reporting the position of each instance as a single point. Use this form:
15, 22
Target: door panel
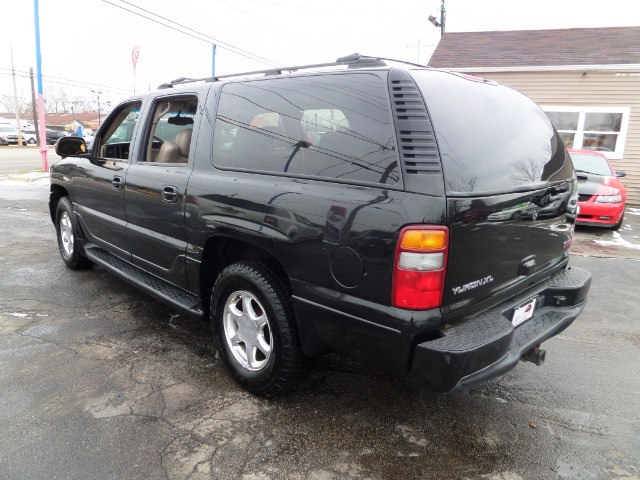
101, 204
155, 216
101, 177
156, 185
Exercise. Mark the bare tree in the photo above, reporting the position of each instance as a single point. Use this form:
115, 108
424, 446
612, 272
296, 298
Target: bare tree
28, 107
8, 103
81, 104
55, 100
528, 170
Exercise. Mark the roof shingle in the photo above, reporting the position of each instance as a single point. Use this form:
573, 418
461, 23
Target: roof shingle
523, 48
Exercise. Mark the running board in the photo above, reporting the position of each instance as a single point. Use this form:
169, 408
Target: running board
179, 299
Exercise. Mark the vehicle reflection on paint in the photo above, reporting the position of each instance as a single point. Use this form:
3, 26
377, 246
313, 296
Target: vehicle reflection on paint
526, 210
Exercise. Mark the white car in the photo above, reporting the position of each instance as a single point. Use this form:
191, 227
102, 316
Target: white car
88, 138
29, 137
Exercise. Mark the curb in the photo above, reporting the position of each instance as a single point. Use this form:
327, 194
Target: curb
27, 177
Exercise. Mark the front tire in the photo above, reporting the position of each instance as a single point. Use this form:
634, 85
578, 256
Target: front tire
254, 327
67, 231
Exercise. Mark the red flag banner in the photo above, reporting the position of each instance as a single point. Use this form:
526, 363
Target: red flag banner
135, 53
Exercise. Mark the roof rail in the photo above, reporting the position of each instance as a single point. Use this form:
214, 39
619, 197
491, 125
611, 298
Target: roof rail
354, 60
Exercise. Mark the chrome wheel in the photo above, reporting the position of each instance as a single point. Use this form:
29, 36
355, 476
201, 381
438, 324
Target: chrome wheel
247, 330
66, 233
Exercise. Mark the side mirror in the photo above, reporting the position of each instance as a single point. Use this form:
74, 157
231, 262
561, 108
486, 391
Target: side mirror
620, 174
70, 146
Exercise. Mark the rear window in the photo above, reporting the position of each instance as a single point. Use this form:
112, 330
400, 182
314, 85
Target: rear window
330, 126
491, 138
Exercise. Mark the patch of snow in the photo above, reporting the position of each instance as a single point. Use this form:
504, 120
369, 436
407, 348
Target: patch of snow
34, 175
633, 211
618, 241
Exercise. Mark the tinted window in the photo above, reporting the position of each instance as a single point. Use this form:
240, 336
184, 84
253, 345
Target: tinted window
336, 126
491, 137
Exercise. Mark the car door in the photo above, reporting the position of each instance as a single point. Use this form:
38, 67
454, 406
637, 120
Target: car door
100, 180
156, 187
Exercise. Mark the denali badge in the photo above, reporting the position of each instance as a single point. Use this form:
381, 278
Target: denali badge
472, 285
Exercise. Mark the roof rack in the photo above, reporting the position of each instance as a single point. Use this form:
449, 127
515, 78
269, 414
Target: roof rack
354, 60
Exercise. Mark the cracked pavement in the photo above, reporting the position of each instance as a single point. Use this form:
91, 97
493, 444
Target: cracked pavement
99, 381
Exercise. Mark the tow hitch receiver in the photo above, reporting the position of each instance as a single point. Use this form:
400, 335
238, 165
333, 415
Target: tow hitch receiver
535, 355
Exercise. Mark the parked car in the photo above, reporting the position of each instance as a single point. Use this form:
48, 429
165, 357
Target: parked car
54, 135
601, 195
8, 135
29, 137
88, 139
516, 212
216, 199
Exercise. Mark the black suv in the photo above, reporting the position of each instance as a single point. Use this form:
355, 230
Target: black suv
53, 136
389, 212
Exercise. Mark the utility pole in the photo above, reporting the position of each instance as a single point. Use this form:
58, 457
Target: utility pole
15, 96
97, 94
434, 20
34, 110
213, 61
419, 46
43, 134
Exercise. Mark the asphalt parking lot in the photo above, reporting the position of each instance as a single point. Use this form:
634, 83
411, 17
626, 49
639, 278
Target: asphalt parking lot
99, 381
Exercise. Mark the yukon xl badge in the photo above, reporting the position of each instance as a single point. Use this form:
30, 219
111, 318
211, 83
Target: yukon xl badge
472, 285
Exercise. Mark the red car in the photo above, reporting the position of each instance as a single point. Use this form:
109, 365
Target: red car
601, 195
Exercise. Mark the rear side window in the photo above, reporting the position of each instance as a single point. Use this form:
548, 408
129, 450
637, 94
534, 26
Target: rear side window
491, 138
331, 126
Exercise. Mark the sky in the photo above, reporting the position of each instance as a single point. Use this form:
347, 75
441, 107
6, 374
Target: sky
87, 44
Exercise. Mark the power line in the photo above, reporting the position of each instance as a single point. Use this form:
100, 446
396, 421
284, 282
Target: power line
219, 43
262, 22
22, 75
76, 81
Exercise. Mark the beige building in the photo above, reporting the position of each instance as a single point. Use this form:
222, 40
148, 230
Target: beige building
587, 80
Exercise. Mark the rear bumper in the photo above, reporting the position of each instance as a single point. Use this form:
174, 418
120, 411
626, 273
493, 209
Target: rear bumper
487, 345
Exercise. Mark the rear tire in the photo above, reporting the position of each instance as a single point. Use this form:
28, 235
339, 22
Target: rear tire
254, 328
68, 233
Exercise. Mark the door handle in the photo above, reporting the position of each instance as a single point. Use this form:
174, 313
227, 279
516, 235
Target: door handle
117, 182
169, 194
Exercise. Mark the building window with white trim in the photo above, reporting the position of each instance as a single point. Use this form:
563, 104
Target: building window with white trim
592, 128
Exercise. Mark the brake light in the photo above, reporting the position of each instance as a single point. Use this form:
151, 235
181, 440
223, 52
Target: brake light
420, 266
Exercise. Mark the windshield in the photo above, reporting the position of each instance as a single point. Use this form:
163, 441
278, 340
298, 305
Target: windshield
595, 164
491, 138
8, 129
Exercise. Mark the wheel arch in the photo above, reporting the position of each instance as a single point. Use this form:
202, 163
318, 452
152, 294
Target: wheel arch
221, 251
55, 194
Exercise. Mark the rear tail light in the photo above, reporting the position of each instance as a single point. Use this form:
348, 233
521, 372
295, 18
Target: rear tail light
420, 266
